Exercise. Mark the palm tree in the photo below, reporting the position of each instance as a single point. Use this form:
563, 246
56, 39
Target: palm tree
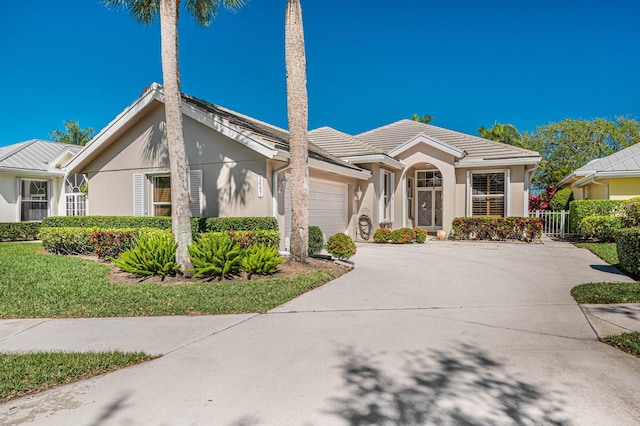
73, 134
298, 115
202, 11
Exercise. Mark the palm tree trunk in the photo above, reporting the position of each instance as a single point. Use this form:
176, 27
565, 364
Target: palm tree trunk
180, 214
297, 107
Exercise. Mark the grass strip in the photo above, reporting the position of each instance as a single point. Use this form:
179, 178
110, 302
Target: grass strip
36, 285
627, 342
605, 251
607, 293
23, 374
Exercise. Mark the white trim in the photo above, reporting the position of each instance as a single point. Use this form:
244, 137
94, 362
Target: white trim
31, 172
334, 168
139, 196
375, 158
507, 189
403, 184
480, 162
422, 138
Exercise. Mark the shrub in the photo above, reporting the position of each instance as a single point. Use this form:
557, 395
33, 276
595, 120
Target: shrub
261, 259
154, 254
561, 199
118, 222
247, 239
108, 243
341, 246
602, 228
215, 254
579, 209
382, 235
13, 231
628, 246
497, 228
421, 235
631, 217
316, 240
403, 236
67, 240
218, 224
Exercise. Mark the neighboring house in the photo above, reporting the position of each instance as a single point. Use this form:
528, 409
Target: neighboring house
615, 177
404, 174
33, 183
423, 175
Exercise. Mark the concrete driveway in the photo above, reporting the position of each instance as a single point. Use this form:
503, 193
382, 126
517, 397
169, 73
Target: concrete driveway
441, 333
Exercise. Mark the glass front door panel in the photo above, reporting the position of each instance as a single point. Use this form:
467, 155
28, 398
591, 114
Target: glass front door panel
425, 208
438, 209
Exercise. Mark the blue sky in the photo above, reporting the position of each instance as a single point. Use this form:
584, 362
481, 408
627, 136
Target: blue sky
468, 63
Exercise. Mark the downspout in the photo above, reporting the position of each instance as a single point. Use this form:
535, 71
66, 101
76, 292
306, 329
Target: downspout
606, 187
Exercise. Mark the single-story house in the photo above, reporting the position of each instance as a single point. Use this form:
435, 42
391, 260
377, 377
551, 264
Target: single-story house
403, 174
34, 185
615, 177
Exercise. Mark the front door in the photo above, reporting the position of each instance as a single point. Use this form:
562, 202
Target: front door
429, 209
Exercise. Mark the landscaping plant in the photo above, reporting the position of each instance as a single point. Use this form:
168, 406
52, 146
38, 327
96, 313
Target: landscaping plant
155, 254
382, 235
602, 228
112, 243
261, 259
403, 236
497, 228
579, 209
628, 245
421, 234
66, 240
631, 217
14, 231
316, 240
561, 199
341, 246
215, 254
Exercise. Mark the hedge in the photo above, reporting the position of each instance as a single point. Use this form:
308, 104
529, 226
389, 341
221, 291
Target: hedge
13, 231
579, 209
248, 239
105, 242
628, 247
118, 222
218, 224
316, 240
497, 228
602, 228
561, 200
632, 213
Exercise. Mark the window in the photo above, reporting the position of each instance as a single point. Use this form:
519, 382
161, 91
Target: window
386, 197
488, 194
410, 208
75, 188
34, 204
432, 179
161, 195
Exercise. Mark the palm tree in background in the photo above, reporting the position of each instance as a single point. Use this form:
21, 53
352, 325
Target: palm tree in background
202, 11
298, 116
73, 134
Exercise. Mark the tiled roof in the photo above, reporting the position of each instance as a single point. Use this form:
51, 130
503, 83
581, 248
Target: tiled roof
35, 154
341, 144
275, 136
625, 160
396, 134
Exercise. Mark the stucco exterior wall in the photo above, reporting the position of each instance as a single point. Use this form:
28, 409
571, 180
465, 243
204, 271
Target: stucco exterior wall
230, 171
624, 188
8, 198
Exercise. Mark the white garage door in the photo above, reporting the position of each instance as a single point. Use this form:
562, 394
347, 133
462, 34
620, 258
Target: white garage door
328, 207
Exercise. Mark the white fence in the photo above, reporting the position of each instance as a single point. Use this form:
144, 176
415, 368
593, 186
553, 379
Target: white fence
554, 224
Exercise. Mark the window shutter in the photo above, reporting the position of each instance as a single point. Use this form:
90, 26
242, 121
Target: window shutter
195, 193
138, 195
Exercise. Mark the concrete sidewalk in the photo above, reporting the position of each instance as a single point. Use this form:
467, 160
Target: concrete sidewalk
440, 333
607, 320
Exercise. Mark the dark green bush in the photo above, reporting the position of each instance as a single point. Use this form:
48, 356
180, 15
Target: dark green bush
497, 228
403, 236
561, 199
218, 224
628, 246
421, 234
631, 217
316, 240
14, 231
261, 259
215, 254
154, 254
341, 246
382, 235
579, 209
115, 222
67, 240
602, 228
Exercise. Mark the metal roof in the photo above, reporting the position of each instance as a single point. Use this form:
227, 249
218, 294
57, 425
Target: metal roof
396, 134
625, 160
33, 155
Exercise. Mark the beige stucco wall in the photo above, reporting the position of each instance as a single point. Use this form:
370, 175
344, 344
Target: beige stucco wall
624, 188
230, 170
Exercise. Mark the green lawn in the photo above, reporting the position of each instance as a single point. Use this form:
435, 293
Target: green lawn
628, 342
35, 285
22, 374
605, 251
607, 293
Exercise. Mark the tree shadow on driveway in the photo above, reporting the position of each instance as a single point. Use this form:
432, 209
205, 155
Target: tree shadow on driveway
461, 386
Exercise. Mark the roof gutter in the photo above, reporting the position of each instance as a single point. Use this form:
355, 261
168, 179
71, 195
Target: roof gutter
375, 158
344, 171
481, 162
592, 178
31, 172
